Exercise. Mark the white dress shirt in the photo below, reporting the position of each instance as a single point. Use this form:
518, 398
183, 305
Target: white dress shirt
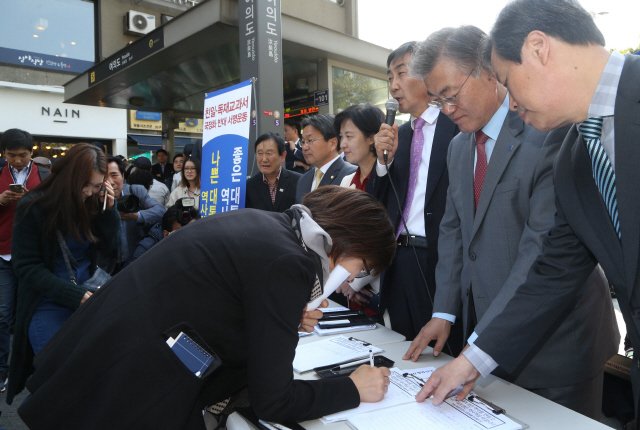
324, 170
415, 220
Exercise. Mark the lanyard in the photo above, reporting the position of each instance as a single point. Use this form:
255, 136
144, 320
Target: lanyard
15, 177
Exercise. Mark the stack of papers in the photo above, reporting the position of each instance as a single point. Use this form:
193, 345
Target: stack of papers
328, 352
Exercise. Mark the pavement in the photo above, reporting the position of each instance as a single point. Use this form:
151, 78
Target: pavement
10, 420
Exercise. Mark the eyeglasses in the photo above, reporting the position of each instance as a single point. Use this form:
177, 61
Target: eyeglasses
451, 100
309, 142
366, 272
189, 169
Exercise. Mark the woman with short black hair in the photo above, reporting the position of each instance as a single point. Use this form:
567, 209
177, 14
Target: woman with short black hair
237, 282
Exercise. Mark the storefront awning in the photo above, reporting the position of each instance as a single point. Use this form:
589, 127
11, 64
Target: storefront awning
171, 68
152, 143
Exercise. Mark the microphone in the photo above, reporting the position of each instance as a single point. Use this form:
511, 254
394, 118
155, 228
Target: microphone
392, 107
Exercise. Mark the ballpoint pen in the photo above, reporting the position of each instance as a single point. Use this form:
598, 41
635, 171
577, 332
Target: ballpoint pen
353, 363
371, 357
495, 408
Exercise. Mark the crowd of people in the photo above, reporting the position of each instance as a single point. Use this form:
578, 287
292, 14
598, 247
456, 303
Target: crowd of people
481, 219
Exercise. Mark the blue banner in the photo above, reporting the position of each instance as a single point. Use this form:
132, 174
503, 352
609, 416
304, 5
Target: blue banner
225, 147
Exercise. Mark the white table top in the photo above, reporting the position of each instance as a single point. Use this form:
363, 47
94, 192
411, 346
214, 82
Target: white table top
380, 336
538, 412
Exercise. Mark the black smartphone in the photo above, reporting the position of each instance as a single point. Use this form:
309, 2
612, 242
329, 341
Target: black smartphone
16, 188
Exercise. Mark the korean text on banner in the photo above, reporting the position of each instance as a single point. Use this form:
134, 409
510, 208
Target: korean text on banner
225, 146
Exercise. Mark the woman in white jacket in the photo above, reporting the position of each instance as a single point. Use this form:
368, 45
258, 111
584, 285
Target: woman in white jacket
190, 184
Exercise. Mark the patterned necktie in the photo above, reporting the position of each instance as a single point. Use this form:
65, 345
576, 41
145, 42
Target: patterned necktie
481, 166
417, 143
319, 176
603, 172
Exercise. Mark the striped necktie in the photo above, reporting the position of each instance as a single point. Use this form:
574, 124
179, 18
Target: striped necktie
603, 172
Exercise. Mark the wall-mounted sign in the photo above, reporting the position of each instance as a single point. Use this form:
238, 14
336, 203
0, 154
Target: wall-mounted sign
143, 120
321, 98
43, 61
133, 53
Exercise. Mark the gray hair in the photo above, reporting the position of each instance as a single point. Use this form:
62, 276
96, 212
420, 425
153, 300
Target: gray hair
462, 45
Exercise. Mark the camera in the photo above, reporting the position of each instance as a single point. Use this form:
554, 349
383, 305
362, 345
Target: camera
188, 211
128, 204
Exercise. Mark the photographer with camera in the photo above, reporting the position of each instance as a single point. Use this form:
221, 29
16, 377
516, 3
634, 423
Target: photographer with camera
63, 218
138, 213
190, 184
177, 216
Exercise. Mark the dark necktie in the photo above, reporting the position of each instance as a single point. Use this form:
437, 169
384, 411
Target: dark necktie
603, 172
481, 166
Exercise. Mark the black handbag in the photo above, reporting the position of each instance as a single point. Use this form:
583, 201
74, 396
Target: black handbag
99, 278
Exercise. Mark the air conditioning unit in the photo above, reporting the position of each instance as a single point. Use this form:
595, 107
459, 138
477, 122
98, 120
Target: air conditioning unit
138, 23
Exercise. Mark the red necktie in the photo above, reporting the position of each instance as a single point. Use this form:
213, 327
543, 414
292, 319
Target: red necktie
481, 165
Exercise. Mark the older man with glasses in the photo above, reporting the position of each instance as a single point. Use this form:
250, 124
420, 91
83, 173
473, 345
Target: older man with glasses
320, 147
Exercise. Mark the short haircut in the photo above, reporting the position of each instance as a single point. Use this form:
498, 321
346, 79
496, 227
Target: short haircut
357, 223
141, 177
162, 150
293, 123
170, 216
400, 52
462, 45
179, 154
15, 138
323, 123
565, 20
271, 136
118, 161
365, 116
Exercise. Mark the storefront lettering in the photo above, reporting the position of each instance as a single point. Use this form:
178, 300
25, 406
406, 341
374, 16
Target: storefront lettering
74, 113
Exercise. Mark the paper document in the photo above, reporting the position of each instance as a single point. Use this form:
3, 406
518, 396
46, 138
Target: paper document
401, 390
327, 352
450, 415
337, 276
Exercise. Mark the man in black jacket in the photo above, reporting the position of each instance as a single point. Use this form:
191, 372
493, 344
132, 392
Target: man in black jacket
273, 188
417, 162
320, 146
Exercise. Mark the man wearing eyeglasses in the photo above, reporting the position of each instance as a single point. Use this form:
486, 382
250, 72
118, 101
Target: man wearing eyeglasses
500, 205
320, 148
416, 160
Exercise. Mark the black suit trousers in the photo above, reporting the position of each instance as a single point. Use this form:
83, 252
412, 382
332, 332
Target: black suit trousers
404, 288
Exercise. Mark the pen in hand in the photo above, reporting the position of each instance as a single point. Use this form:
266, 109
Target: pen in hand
371, 357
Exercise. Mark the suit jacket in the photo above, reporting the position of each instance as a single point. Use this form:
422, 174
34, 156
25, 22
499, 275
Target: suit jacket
437, 184
583, 235
156, 171
258, 196
338, 170
258, 279
494, 248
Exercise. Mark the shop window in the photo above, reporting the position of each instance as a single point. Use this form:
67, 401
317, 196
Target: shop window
351, 88
48, 34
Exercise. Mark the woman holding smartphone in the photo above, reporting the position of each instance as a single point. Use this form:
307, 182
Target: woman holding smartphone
70, 202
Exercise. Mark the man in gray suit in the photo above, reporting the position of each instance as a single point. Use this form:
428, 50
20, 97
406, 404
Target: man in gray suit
500, 204
320, 147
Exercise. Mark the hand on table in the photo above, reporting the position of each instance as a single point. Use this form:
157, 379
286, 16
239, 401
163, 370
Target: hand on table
372, 382
449, 377
310, 318
437, 329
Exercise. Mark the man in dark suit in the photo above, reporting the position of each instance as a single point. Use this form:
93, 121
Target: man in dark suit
551, 57
417, 161
295, 159
162, 170
274, 188
500, 205
320, 147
